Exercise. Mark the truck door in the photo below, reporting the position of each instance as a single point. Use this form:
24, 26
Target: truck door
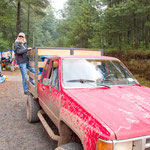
51, 93
43, 88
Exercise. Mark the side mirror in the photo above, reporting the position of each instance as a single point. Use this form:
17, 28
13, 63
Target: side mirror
46, 82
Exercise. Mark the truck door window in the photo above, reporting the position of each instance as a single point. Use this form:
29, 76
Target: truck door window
54, 75
45, 72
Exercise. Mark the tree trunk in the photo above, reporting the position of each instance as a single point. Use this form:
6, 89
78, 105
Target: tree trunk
146, 34
18, 25
136, 40
28, 24
146, 39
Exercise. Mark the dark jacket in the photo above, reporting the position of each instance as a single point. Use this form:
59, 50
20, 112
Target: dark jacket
21, 52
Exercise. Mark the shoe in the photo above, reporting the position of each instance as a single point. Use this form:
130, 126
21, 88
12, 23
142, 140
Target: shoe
27, 93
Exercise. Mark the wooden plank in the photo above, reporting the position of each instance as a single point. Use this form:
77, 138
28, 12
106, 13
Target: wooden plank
87, 52
32, 89
40, 64
58, 52
61, 52
32, 75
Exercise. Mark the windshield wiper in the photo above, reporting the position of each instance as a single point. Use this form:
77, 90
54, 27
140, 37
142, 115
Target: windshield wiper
81, 80
85, 80
104, 85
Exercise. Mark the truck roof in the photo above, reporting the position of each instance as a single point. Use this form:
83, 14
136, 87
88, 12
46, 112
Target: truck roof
85, 56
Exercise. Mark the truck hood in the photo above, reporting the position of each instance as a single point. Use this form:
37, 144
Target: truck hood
124, 109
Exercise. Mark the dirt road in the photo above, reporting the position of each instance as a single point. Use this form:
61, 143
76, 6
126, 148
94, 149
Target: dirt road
15, 132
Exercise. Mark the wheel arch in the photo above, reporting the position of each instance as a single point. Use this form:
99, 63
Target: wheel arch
71, 134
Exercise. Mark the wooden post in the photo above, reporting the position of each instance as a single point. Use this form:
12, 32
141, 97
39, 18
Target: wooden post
36, 69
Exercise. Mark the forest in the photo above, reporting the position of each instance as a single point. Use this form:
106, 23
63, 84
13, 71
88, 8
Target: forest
120, 27
107, 24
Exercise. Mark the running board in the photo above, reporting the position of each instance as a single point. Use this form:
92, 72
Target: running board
46, 126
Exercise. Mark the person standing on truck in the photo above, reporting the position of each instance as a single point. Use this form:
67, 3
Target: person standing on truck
21, 49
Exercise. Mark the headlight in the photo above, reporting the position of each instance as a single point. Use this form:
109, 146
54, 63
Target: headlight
114, 145
138, 143
123, 146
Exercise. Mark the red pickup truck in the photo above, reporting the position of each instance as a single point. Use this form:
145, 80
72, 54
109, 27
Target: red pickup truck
94, 101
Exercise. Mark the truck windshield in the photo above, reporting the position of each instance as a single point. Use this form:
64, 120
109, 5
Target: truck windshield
86, 73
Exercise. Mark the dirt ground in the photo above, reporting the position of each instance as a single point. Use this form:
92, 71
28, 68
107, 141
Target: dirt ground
15, 131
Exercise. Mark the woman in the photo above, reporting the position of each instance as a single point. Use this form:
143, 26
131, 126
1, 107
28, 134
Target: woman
21, 49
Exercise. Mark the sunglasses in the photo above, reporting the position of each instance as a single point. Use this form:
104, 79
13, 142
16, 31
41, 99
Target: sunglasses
21, 36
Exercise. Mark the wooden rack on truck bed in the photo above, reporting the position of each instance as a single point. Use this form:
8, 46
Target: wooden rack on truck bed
35, 63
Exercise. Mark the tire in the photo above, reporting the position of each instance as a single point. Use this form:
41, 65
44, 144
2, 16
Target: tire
70, 146
32, 109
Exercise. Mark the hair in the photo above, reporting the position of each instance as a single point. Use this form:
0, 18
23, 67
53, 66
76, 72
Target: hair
21, 41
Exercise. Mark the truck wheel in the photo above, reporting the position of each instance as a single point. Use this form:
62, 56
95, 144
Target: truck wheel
32, 109
70, 146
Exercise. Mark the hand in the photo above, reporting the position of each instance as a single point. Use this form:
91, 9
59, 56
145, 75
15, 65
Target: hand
29, 48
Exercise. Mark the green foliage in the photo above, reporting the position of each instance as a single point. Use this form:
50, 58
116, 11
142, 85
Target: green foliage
7, 24
45, 30
4, 44
107, 24
117, 24
8, 19
76, 29
126, 24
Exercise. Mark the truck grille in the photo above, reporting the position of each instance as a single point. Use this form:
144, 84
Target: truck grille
147, 144
148, 140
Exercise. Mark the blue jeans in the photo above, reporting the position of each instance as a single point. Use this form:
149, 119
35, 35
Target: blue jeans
23, 68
